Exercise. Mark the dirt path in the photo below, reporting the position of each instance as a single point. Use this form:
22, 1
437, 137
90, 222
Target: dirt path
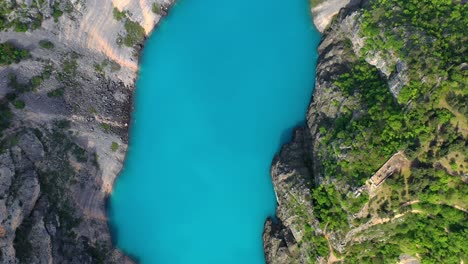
331, 257
375, 221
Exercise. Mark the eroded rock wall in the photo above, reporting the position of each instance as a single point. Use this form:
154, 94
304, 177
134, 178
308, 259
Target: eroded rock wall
62, 149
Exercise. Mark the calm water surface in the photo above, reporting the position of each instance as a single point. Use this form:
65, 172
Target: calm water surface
221, 84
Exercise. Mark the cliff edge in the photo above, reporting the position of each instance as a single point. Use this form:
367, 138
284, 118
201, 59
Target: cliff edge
67, 74
379, 172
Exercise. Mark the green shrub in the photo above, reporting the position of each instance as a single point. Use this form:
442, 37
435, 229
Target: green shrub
106, 127
46, 44
56, 11
156, 8
19, 104
10, 54
36, 81
56, 93
114, 146
99, 69
135, 33
20, 27
119, 15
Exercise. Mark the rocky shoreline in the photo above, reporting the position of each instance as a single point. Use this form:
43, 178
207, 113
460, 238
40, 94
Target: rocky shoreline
72, 136
295, 169
66, 141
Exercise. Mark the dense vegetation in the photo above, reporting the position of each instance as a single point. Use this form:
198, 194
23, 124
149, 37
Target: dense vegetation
9, 54
438, 236
421, 209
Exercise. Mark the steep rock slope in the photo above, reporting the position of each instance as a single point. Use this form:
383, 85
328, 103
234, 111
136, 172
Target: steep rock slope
64, 113
379, 173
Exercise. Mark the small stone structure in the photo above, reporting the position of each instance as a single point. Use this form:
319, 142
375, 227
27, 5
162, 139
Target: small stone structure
394, 164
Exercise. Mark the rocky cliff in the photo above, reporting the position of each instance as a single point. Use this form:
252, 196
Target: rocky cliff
64, 114
334, 204
294, 170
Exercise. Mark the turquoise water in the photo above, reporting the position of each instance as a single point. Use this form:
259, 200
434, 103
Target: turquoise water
221, 85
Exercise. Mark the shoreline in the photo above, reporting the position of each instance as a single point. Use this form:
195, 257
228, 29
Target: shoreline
278, 238
130, 109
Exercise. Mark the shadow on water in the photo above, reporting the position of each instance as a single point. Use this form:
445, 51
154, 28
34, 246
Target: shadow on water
287, 134
114, 231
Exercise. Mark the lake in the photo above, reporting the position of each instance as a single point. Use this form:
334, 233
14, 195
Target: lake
221, 85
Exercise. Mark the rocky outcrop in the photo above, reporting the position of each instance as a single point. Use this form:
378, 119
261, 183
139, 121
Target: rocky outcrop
299, 165
295, 170
324, 12
57, 167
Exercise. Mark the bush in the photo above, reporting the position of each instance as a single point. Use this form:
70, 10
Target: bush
135, 33
56, 12
56, 93
156, 8
19, 104
36, 81
20, 27
114, 146
119, 15
46, 44
10, 54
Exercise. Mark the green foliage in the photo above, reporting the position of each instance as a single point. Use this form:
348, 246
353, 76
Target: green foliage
46, 44
119, 15
19, 104
444, 115
20, 27
55, 181
56, 93
56, 11
458, 102
10, 54
135, 33
327, 207
369, 136
20, 17
438, 237
427, 120
106, 127
70, 66
36, 81
114, 146
373, 252
79, 153
99, 68
47, 71
319, 245
69, 70
19, 87
156, 8
433, 33
98, 253
354, 205
315, 3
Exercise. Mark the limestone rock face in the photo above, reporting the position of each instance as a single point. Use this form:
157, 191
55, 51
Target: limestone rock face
294, 169
57, 167
324, 12
297, 167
